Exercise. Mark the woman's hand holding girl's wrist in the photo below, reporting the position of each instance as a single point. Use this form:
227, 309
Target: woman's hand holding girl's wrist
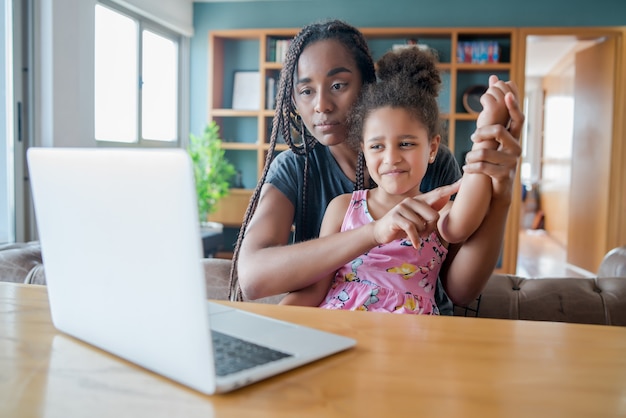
499, 164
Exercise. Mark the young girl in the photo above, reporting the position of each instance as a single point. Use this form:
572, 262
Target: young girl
395, 124
325, 68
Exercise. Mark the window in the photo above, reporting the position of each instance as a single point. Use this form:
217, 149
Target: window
137, 81
7, 116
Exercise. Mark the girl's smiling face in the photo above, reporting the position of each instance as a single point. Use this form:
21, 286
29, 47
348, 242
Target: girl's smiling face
327, 83
397, 150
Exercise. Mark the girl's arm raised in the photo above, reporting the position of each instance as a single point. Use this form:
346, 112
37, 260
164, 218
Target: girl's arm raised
472, 202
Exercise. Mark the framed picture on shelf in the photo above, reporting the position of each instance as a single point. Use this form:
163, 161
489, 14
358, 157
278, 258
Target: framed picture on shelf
410, 43
247, 90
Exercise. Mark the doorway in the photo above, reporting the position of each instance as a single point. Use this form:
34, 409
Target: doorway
555, 141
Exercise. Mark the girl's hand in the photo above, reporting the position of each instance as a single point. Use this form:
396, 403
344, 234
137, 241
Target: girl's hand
494, 103
413, 216
499, 164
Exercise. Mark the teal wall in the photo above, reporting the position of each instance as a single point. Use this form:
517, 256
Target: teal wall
383, 13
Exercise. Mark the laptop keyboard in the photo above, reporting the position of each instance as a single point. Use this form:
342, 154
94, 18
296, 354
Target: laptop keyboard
233, 354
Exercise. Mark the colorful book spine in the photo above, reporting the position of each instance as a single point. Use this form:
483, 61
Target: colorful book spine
478, 52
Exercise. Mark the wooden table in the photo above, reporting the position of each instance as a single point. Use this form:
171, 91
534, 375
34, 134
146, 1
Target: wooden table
401, 366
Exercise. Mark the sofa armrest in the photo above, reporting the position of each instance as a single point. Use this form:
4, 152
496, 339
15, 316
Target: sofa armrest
21, 263
614, 263
217, 276
576, 300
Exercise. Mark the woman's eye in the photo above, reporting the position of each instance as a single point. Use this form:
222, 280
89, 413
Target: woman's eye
406, 144
305, 92
338, 86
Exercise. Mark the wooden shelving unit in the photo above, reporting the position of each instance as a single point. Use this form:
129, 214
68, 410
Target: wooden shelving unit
246, 132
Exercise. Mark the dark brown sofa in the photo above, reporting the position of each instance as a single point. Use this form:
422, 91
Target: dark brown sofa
596, 300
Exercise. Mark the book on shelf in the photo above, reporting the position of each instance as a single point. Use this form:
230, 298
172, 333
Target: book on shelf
478, 52
277, 49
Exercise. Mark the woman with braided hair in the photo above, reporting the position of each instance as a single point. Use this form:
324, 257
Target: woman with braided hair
326, 66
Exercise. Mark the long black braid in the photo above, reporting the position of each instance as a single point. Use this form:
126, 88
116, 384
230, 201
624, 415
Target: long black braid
288, 122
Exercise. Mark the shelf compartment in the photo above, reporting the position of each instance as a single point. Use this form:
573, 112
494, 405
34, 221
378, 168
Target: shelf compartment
244, 161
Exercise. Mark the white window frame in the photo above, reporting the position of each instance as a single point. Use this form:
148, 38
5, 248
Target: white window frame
7, 128
144, 23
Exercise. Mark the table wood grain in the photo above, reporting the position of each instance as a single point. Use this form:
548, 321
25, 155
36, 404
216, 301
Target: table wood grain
402, 365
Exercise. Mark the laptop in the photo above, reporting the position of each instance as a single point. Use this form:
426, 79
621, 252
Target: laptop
122, 251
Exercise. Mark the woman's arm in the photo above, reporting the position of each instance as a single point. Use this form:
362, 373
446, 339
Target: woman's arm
314, 294
268, 266
468, 267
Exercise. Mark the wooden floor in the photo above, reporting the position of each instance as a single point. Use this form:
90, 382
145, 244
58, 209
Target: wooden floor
541, 256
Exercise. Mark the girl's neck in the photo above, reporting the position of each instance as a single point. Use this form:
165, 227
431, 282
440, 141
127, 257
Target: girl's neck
379, 202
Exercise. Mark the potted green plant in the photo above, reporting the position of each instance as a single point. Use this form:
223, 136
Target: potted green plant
212, 171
